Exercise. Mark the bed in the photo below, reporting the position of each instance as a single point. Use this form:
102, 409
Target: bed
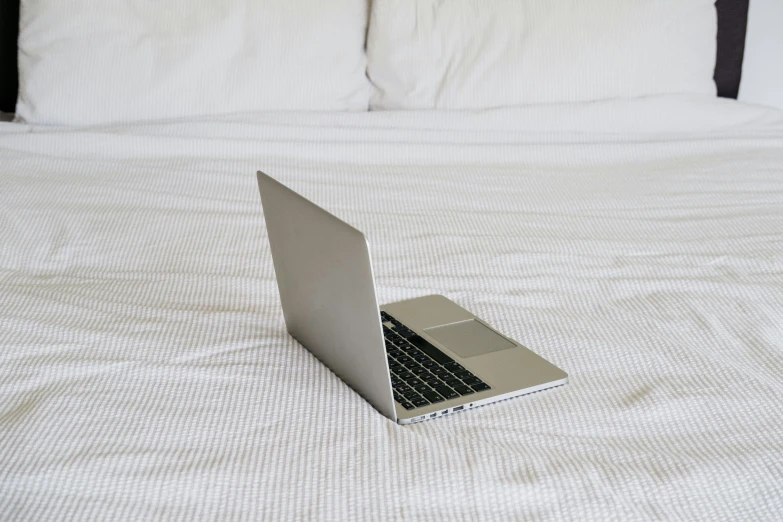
145, 358
146, 373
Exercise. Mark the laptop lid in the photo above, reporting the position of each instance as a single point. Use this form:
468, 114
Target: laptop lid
324, 275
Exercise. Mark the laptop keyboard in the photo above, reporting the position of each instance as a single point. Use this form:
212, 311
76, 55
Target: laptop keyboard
421, 374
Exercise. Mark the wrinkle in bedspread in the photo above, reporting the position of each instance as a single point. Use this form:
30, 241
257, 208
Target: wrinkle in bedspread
146, 373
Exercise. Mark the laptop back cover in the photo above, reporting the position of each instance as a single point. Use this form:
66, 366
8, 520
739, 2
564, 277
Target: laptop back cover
324, 275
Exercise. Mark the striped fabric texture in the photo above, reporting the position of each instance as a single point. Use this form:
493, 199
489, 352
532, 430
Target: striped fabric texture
146, 373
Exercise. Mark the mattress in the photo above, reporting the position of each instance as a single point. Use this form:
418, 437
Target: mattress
146, 372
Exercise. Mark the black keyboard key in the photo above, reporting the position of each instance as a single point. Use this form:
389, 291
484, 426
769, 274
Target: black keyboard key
407, 405
453, 382
422, 389
404, 359
480, 387
463, 390
447, 392
415, 352
451, 395
433, 397
420, 358
410, 385
413, 382
410, 395
401, 387
420, 402
453, 367
430, 350
404, 374
405, 333
429, 364
441, 371
418, 370
429, 378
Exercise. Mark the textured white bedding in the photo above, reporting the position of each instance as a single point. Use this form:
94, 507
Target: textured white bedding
145, 372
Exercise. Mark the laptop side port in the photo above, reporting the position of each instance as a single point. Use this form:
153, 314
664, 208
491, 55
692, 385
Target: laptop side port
458, 408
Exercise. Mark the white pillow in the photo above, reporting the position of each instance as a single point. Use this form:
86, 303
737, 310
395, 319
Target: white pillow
97, 61
471, 54
762, 66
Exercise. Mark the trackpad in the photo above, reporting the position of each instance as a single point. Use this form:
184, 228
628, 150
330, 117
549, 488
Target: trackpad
469, 338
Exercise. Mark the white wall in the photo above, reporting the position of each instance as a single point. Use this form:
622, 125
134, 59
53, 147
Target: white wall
762, 69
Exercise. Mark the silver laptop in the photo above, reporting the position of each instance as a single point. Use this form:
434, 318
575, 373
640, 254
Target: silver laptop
412, 360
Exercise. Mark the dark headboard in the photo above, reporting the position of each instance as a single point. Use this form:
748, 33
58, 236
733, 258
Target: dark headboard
732, 20
732, 23
9, 30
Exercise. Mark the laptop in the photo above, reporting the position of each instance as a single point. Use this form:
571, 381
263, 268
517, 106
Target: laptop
412, 360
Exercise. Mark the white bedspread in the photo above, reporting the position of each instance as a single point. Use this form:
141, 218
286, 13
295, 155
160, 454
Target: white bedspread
145, 371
